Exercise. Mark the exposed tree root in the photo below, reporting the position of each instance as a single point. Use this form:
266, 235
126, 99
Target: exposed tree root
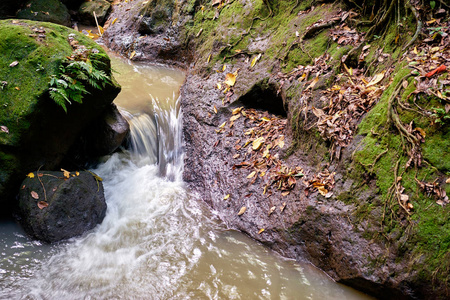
419, 25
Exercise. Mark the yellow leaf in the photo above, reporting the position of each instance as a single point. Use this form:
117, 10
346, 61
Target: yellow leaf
132, 54
431, 21
255, 60
230, 79
30, 175
224, 67
302, 77
421, 131
237, 110
114, 21
242, 210
415, 51
223, 124
376, 79
219, 86
281, 144
234, 118
313, 83
284, 194
322, 190
256, 145
209, 58
77, 173
251, 175
226, 197
66, 173
265, 119
101, 30
348, 70
261, 231
435, 49
247, 143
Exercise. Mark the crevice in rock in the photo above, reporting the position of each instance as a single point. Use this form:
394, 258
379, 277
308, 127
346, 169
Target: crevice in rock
263, 96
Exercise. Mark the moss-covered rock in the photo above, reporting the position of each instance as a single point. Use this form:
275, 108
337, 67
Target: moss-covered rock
47, 11
40, 132
8, 8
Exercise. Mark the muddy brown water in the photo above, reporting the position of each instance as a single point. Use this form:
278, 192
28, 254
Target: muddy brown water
156, 241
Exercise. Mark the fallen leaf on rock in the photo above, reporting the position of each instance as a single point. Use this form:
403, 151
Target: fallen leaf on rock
282, 207
114, 21
242, 210
226, 197
230, 79
34, 195
223, 124
42, 204
66, 173
30, 175
272, 209
234, 118
251, 175
215, 109
132, 54
257, 143
261, 230
284, 194
237, 110
255, 60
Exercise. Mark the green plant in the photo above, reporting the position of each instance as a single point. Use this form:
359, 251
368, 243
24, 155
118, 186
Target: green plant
69, 84
440, 115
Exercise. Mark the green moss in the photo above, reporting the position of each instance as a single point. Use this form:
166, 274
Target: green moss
39, 55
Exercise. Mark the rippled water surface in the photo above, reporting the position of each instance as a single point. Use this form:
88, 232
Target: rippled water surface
155, 241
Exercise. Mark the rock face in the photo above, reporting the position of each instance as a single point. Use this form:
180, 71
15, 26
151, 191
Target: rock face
86, 12
38, 132
46, 11
55, 206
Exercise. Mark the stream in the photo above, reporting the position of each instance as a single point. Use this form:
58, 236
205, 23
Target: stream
156, 242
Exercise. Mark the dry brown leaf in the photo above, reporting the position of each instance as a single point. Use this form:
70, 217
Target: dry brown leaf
34, 195
242, 210
42, 204
376, 79
282, 207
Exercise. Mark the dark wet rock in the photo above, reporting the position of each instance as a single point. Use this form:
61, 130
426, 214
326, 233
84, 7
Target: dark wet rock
8, 8
102, 137
148, 30
53, 207
72, 4
46, 11
101, 8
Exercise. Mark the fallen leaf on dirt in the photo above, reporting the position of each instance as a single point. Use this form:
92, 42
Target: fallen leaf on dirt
4, 129
42, 204
34, 195
30, 175
251, 175
230, 79
226, 197
66, 173
242, 210
261, 230
255, 60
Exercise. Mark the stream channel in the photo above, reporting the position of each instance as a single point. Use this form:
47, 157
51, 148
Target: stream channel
156, 242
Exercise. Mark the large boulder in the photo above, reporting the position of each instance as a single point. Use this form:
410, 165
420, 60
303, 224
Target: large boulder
86, 12
58, 205
36, 131
47, 11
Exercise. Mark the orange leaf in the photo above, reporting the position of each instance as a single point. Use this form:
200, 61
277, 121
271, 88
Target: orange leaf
439, 69
42, 204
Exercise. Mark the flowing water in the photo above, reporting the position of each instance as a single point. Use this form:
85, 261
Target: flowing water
155, 242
